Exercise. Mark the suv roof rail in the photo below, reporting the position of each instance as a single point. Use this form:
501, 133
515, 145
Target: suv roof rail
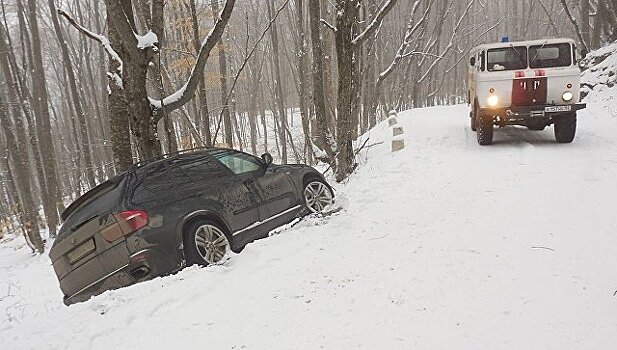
165, 156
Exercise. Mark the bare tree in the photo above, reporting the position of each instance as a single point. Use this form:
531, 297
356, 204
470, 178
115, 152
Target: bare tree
324, 140
346, 42
53, 197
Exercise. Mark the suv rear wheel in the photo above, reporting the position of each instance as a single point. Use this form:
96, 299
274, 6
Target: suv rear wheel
485, 130
565, 128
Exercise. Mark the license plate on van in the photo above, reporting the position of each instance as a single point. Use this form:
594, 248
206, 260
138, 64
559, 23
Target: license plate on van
81, 251
552, 109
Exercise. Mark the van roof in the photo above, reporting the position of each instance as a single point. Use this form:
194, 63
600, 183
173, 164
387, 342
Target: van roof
523, 43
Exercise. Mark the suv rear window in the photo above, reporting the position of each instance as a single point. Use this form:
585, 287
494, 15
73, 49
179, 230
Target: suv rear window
549, 56
507, 58
100, 193
95, 202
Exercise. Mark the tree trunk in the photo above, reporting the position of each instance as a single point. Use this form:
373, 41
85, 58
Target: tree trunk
202, 112
21, 160
278, 85
228, 127
345, 51
303, 80
79, 111
324, 139
585, 25
41, 99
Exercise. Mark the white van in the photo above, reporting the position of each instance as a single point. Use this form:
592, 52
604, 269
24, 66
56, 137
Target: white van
529, 83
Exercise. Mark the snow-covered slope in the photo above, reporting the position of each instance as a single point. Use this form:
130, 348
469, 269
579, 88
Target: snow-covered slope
601, 72
444, 245
599, 80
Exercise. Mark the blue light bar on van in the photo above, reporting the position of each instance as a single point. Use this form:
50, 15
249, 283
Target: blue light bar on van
505, 39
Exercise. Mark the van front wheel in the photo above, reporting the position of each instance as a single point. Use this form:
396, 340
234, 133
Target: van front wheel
565, 128
485, 130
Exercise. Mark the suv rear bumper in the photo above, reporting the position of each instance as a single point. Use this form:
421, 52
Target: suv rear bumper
524, 112
141, 266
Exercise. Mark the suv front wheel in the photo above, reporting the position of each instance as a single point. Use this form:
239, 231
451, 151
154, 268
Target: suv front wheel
318, 196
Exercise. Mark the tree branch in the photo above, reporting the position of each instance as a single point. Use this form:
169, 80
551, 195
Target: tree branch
186, 92
575, 24
400, 54
97, 37
375, 23
550, 18
245, 62
451, 43
328, 25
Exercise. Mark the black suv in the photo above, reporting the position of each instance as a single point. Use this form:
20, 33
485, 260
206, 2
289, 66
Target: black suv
181, 209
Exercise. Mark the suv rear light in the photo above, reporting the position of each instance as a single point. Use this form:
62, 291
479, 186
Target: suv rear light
128, 222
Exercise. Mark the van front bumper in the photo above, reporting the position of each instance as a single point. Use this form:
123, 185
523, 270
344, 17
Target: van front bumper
524, 112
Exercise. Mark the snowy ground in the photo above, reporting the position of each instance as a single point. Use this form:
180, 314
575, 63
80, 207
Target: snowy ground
444, 245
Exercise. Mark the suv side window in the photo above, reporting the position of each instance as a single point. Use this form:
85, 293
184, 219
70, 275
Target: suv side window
197, 167
238, 162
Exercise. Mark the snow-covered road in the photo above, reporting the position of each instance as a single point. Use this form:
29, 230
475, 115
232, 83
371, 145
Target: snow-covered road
444, 245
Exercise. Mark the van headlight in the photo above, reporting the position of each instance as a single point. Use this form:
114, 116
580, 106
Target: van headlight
493, 100
567, 96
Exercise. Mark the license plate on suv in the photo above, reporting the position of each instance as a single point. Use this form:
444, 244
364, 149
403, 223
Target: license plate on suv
81, 251
552, 109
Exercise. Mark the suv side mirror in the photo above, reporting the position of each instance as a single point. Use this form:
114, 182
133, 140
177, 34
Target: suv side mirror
472, 61
267, 159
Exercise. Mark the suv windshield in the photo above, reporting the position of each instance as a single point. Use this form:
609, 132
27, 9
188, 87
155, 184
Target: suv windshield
549, 56
507, 58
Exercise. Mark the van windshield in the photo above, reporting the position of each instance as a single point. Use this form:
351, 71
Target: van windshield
507, 58
549, 56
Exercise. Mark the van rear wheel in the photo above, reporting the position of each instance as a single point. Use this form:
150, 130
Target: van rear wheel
485, 130
565, 128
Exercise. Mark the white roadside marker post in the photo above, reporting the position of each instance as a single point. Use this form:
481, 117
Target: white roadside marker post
398, 134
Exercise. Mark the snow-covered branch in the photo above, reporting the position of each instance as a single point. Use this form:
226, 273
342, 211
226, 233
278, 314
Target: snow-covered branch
328, 25
186, 92
400, 54
97, 37
375, 23
148, 40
